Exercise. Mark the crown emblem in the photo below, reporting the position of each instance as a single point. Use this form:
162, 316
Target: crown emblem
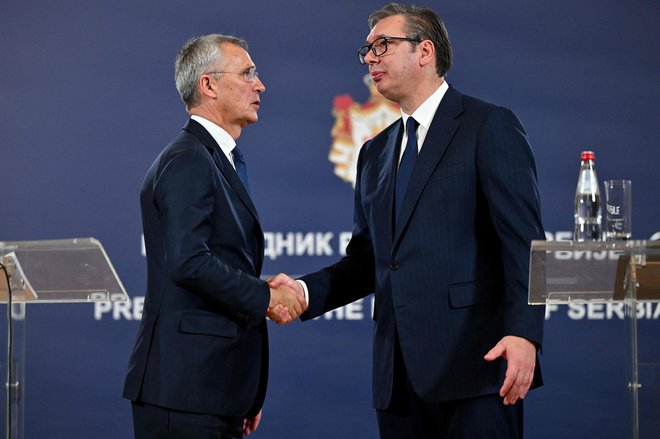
355, 124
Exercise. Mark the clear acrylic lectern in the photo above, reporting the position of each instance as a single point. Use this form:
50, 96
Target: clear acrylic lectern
58, 271
625, 272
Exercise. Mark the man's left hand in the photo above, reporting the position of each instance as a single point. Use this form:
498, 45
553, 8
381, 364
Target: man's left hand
520, 355
251, 424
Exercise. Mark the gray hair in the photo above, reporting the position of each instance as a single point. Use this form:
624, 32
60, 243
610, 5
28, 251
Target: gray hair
199, 56
424, 24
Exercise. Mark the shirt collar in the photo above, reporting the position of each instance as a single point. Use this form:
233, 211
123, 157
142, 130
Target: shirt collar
424, 114
222, 138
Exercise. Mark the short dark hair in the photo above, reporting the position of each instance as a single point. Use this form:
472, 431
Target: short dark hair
424, 24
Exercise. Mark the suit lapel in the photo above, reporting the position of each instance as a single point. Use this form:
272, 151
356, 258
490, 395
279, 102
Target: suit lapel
437, 140
221, 161
387, 166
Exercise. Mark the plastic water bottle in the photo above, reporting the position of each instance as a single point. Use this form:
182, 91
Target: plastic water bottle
587, 210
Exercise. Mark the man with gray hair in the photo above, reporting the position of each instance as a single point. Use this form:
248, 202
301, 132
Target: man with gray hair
199, 367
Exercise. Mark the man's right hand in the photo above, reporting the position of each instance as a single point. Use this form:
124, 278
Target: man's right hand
286, 304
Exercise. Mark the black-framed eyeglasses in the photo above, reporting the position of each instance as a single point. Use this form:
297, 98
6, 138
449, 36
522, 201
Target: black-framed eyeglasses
379, 46
249, 75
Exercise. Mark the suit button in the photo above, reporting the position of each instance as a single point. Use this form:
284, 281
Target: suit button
394, 266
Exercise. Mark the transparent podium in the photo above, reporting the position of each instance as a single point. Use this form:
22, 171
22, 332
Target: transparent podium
626, 272
58, 271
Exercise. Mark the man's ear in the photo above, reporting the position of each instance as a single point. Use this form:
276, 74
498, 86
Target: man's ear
207, 86
427, 52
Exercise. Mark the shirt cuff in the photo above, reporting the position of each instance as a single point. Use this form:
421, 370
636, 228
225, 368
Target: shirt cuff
304, 285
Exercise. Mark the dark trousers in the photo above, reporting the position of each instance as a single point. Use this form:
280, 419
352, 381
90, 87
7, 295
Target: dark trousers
153, 422
483, 417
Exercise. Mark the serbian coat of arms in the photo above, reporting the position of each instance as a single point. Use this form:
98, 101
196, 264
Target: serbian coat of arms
355, 124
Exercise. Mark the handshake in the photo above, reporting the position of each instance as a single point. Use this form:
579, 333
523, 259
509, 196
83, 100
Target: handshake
287, 299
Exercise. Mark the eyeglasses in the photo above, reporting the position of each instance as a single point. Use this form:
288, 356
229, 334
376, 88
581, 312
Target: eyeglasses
249, 75
379, 46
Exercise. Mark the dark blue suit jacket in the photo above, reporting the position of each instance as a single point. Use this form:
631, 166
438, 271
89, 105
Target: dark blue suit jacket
202, 345
450, 279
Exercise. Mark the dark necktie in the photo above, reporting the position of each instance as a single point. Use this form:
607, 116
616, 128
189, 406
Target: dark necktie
406, 166
241, 167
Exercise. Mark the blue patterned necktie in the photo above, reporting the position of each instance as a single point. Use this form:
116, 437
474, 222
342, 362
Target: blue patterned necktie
241, 167
406, 166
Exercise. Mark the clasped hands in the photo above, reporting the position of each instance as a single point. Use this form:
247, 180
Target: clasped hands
287, 299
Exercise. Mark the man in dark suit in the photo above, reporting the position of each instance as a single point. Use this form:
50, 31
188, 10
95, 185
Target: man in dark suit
200, 363
446, 205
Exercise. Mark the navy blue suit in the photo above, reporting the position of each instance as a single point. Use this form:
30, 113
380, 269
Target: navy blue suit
202, 345
450, 277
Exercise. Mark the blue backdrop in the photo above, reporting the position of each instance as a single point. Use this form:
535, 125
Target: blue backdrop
87, 100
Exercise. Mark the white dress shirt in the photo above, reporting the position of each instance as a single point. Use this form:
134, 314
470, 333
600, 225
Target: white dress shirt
221, 137
424, 116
